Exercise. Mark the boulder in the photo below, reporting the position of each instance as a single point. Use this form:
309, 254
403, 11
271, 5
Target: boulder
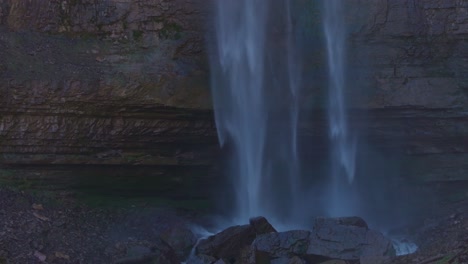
227, 243
233, 243
333, 238
181, 239
247, 256
261, 225
347, 238
282, 244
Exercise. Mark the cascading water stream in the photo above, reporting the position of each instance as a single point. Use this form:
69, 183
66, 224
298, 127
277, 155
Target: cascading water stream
343, 145
240, 110
294, 81
258, 73
343, 200
256, 100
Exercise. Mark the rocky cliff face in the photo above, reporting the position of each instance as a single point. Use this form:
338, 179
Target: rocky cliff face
411, 58
146, 52
411, 52
79, 78
126, 82
408, 71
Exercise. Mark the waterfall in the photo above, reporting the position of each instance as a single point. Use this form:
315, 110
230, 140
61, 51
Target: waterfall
343, 145
238, 90
266, 65
255, 87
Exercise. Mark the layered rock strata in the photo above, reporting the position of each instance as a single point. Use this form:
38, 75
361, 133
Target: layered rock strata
123, 82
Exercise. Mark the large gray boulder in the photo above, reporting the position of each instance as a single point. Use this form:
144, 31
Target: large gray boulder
180, 238
261, 225
282, 244
230, 243
347, 238
227, 243
336, 238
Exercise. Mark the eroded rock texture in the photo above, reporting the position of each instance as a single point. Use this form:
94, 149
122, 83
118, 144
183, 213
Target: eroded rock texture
126, 82
346, 238
83, 81
411, 52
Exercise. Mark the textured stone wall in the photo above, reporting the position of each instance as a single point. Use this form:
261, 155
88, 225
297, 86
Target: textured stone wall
82, 78
402, 51
411, 53
123, 82
141, 51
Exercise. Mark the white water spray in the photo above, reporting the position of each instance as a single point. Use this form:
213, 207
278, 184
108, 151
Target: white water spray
403, 246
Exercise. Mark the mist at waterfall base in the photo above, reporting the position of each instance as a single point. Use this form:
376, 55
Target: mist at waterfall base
276, 65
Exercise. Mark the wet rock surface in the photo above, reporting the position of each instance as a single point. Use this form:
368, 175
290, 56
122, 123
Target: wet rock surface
261, 225
331, 238
283, 244
347, 238
340, 238
339, 241
227, 243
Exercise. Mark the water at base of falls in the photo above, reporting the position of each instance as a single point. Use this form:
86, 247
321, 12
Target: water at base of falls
403, 246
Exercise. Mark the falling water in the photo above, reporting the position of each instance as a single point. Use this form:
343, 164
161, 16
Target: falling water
257, 69
255, 87
343, 145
